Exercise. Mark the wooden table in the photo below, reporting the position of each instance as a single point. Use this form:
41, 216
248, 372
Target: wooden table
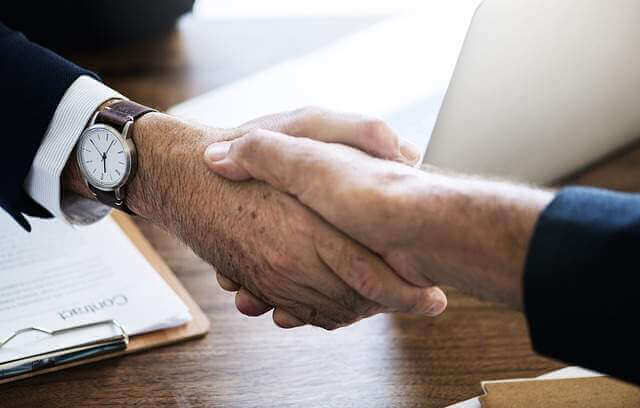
399, 361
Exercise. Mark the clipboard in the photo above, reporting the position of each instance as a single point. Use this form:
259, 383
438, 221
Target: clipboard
115, 347
588, 392
567, 387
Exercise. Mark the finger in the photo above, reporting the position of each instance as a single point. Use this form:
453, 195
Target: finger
318, 174
411, 152
367, 134
283, 162
226, 283
249, 305
373, 279
216, 158
440, 304
278, 159
311, 316
286, 320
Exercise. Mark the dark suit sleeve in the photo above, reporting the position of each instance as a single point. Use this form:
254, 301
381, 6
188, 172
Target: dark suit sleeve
582, 281
33, 80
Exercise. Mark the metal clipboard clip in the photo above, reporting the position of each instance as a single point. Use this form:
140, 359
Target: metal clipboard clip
63, 355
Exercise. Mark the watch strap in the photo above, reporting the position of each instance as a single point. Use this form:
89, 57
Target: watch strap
119, 113
109, 198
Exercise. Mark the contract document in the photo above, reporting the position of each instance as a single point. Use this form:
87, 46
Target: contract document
60, 276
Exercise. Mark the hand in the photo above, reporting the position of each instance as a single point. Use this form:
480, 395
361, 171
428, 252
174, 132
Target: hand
108, 148
366, 134
255, 236
96, 147
454, 230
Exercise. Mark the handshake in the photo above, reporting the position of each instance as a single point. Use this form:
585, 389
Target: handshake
327, 218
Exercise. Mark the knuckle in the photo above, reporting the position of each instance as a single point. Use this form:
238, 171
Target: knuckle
325, 323
376, 129
422, 302
310, 111
379, 139
364, 280
242, 148
250, 141
303, 118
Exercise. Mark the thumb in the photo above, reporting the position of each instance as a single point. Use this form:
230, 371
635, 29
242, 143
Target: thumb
216, 157
286, 163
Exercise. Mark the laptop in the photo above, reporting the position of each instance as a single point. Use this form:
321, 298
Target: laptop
542, 89
529, 90
396, 68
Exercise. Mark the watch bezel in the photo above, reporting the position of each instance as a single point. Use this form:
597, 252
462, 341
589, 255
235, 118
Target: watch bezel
129, 152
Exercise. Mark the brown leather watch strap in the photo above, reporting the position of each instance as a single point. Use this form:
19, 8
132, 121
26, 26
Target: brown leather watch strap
117, 115
121, 112
109, 198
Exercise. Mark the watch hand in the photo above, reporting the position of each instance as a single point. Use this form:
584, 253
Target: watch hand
94, 145
107, 151
104, 161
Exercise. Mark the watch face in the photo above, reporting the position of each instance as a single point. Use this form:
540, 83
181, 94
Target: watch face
103, 157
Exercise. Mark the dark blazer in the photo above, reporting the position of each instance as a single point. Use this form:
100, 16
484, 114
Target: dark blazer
34, 80
581, 281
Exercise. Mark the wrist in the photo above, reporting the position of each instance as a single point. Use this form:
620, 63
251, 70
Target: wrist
478, 234
167, 151
72, 179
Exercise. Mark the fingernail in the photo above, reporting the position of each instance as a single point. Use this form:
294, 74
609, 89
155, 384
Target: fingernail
287, 321
436, 308
217, 151
438, 302
411, 152
292, 322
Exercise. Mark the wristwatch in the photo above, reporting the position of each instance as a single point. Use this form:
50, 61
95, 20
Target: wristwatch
106, 153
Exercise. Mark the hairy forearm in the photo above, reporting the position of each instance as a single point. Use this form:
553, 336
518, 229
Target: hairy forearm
472, 234
475, 233
169, 169
174, 189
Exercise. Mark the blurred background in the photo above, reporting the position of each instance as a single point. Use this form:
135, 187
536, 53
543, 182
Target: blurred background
198, 46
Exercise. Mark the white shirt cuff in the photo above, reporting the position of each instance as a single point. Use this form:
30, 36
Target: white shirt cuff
43, 182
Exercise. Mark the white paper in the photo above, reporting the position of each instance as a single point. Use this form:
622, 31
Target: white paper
397, 70
59, 276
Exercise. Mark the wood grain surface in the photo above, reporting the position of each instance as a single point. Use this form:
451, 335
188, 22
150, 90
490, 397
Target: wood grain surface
386, 361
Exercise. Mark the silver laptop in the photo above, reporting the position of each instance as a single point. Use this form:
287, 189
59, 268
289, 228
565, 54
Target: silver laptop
541, 88
396, 68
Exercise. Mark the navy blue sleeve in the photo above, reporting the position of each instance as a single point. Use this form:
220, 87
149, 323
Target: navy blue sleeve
33, 80
582, 281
